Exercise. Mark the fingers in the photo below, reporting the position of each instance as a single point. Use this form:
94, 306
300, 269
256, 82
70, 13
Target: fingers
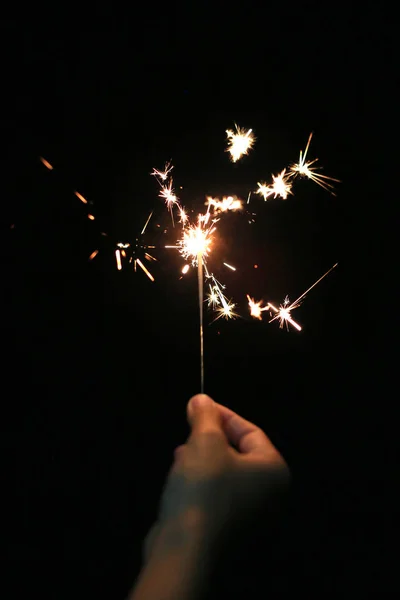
203, 415
246, 436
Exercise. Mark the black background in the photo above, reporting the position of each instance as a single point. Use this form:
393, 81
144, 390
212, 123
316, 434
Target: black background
99, 364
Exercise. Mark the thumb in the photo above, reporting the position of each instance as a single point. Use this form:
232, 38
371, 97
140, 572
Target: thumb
203, 414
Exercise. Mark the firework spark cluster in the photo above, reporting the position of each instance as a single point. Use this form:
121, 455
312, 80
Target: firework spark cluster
195, 243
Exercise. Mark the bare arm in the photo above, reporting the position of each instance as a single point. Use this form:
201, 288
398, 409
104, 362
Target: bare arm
177, 568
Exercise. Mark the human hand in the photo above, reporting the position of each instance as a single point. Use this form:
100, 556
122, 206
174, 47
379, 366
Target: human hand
227, 469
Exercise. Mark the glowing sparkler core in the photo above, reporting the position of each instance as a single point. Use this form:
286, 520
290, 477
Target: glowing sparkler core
240, 142
195, 242
305, 169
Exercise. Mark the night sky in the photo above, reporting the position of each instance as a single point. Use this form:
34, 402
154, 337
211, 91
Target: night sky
99, 364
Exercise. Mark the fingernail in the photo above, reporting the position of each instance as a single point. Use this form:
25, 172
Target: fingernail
201, 400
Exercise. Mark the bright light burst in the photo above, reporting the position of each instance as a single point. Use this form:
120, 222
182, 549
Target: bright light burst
239, 142
217, 299
305, 169
196, 240
283, 312
182, 216
163, 175
256, 308
168, 193
227, 203
280, 187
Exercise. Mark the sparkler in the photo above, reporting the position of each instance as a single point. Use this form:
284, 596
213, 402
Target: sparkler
239, 142
195, 245
305, 169
196, 242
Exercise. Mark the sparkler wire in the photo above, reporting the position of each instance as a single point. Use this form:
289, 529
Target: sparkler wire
201, 294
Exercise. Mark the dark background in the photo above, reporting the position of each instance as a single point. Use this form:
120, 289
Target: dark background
99, 364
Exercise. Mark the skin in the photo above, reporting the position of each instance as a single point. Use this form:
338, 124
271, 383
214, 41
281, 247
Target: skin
226, 470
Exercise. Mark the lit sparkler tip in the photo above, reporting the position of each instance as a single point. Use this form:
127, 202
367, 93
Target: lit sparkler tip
239, 142
196, 241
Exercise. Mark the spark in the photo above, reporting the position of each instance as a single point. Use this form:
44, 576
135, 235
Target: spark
227, 203
230, 267
121, 245
185, 269
248, 198
95, 253
218, 301
141, 265
168, 193
81, 198
305, 169
118, 258
163, 175
149, 256
91, 217
255, 308
147, 222
239, 142
280, 187
226, 311
283, 313
213, 297
183, 216
46, 163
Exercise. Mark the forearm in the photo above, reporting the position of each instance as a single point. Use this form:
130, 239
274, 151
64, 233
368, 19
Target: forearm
178, 566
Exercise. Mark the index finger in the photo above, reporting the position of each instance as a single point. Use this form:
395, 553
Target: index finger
246, 436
